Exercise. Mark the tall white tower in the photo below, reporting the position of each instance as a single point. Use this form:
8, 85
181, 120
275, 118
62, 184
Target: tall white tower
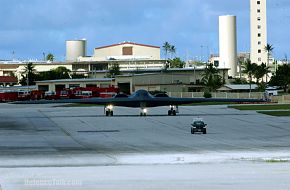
258, 31
228, 43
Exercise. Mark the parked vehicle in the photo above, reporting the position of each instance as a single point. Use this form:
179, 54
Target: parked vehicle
198, 125
23, 95
8, 96
79, 92
50, 95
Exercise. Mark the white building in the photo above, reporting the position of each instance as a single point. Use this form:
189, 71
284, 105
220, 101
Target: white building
228, 43
124, 51
258, 31
128, 55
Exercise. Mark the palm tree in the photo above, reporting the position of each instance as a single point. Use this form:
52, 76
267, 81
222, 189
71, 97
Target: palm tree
264, 70
172, 50
249, 69
166, 48
211, 78
28, 75
50, 57
269, 50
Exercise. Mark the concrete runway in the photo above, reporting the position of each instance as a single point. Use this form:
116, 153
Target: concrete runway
45, 142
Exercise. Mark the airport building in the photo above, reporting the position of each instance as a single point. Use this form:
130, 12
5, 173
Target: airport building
140, 66
54, 85
125, 51
128, 55
16, 68
8, 81
170, 80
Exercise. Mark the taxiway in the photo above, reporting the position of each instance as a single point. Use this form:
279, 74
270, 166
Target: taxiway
39, 142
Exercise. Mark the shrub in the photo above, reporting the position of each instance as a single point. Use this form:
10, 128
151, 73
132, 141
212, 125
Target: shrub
207, 94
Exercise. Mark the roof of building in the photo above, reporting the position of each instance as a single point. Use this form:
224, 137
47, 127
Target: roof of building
238, 87
18, 87
78, 80
123, 43
8, 79
17, 63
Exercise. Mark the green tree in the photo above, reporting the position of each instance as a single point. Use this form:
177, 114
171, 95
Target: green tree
50, 57
61, 73
260, 71
114, 70
249, 69
176, 63
166, 48
172, 50
45, 75
269, 50
240, 81
57, 73
281, 77
77, 76
28, 75
211, 78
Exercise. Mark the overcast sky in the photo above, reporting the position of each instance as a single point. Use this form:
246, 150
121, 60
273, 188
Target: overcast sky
30, 27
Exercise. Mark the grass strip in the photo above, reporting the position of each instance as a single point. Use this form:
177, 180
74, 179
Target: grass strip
277, 161
209, 103
262, 107
276, 113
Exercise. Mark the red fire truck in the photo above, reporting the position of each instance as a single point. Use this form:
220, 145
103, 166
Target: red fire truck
8, 96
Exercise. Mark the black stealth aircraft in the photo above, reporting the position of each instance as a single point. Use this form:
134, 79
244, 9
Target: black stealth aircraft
141, 99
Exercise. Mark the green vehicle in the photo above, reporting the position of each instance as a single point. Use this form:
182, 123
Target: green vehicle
198, 126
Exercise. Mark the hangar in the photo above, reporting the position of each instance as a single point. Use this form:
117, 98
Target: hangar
54, 85
170, 80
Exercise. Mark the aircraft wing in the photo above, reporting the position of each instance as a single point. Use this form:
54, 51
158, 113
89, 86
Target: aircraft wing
97, 101
180, 101
140, 99
183, 101
132, 102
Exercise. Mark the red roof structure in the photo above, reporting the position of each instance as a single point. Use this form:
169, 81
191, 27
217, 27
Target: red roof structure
8, 79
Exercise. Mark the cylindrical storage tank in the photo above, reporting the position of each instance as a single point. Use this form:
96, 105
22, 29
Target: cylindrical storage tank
228, 43
75, 49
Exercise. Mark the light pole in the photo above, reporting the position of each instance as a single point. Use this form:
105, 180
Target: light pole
13, 55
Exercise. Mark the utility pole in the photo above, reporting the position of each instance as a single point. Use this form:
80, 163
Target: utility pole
13, 55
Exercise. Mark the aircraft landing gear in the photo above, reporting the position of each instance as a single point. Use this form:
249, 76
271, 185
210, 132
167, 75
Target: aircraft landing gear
109, 110
143, 112
109, 113
173, 110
